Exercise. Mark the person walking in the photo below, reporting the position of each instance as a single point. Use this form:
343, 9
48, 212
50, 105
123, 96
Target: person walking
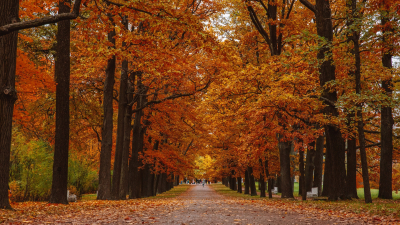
203, 183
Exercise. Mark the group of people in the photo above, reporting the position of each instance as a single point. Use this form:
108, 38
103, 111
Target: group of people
199, 181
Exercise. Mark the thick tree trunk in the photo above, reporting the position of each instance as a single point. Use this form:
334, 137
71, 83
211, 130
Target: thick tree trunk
146, 181
284, 159
127, 141
134, 187
246, 182
318, 164
327, 174
62, 77
239, 184
8, 54
385, 180
104, 192
252, 182
122, 105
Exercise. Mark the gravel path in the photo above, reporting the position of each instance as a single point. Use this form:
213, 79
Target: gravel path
202, 205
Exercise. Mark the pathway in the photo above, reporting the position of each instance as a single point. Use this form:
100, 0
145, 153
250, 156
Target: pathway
202, 205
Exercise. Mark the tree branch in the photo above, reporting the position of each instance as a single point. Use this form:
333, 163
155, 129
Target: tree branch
6, 29
308, 5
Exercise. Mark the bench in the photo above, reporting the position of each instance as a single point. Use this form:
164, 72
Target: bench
313, 192
275, 190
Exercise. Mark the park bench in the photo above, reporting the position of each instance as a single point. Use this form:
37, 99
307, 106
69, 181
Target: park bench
71, 197
275, 190
313, 192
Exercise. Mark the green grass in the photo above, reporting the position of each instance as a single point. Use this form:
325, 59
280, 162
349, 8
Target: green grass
374, 193
89, 197
174, 192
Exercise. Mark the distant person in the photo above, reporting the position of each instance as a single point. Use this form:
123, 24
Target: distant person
203, 183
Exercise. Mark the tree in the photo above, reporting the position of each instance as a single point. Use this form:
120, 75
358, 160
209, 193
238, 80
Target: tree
9, 25
62, 77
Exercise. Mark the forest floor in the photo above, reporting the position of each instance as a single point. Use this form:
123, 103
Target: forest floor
190, 204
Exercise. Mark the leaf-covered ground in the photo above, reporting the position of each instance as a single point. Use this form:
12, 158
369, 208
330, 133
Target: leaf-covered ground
213, 204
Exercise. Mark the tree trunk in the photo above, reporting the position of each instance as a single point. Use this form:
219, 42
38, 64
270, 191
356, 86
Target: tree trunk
309, 172
351, 183
127, 141
104, 192
302, 183
239, 184
284, 159
62, 77
146, 181
385, 180
318, 164
252, 182
246, 183
122, 105
8, 54
360, 122
262, 186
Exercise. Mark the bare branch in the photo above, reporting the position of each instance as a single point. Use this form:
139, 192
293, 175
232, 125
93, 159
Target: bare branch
309, 6
6, 29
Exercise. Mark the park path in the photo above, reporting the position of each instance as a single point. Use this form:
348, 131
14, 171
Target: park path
202, 205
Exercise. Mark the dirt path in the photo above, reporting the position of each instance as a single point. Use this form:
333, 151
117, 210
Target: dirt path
202, 205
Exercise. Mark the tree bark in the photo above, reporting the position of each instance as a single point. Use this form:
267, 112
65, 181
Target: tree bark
262, 179
252, 182
8, 54
385, 180
239, 181
318, 163
104, 192
351, 183
134, 163
302, 182
284, 159
309, 172
127, 141
246, 183
62, 77
360, 122
334, 140
122, 106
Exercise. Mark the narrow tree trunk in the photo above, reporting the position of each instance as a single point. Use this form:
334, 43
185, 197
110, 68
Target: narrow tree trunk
104, 192
62, 77
252, 182
309, 172
385, 180
284, 159
270, 180
8, 54
360, 122
351, 183
262, 186
302, 183
122, 105
262, 180
239, 187
246, 183
318, 164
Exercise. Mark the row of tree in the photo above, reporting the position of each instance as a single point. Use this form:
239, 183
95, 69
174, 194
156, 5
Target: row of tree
159, 54
312, 78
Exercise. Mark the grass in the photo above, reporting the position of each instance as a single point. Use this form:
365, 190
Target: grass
174, 192
388, 208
